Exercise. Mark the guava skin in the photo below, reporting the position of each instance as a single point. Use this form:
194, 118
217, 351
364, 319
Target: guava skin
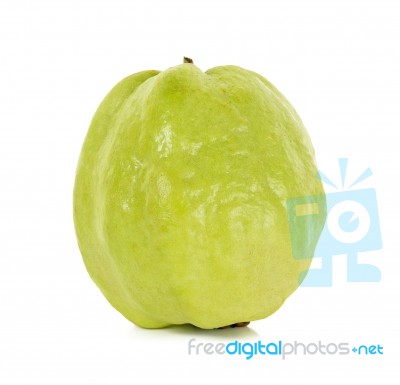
180, 197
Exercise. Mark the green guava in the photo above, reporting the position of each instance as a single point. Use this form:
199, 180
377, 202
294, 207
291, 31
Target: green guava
180, 197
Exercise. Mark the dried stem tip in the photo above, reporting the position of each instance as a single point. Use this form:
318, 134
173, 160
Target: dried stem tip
236, 325
187, 60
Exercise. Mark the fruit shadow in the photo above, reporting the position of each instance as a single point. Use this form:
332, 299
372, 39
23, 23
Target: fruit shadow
236, 333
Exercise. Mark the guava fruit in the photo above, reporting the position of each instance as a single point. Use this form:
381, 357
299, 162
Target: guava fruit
180, 197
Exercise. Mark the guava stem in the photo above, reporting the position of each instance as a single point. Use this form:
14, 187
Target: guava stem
236, 325
187, 60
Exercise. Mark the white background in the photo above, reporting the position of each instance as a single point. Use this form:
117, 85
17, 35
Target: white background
336, 61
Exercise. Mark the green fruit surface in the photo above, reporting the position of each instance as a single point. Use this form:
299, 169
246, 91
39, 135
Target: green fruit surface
180, 197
